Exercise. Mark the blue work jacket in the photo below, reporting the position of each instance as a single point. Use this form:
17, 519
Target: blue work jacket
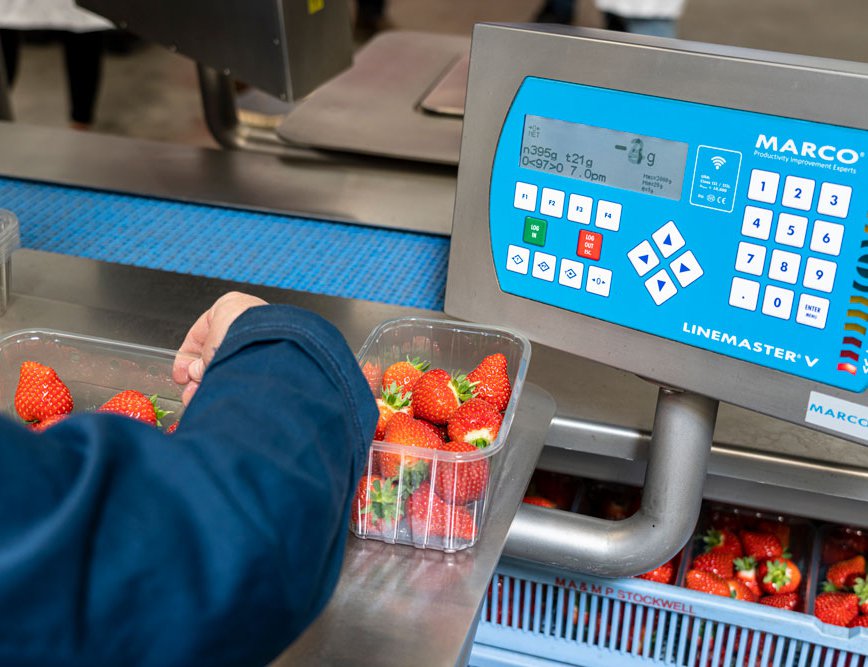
217, 545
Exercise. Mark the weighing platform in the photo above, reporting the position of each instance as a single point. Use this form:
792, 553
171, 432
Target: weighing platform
131, 240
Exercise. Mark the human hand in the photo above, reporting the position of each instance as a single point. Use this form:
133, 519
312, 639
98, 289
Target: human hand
205, 336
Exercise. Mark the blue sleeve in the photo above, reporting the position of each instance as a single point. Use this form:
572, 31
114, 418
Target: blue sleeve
217, 545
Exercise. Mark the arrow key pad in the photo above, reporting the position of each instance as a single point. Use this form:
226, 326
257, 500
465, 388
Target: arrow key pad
686, 268
668, 239
643, 258
660, 287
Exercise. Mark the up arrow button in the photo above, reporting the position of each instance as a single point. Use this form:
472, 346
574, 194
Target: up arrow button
668, 239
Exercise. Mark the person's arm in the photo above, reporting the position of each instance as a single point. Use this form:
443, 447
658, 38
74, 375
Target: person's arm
217, 545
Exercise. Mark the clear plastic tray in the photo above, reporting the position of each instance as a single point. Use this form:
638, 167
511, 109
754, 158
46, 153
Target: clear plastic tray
452, 346
94, 369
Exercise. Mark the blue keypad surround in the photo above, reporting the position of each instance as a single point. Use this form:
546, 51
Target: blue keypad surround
763, 256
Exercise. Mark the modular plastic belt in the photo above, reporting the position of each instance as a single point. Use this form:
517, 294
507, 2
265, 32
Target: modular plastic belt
322, 257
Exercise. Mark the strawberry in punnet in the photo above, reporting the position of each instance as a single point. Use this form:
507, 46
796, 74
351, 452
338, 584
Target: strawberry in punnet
460, 482
539, 501
492, 381
706, 582
46, 423
372, 375
41, 393
475, 422
436, 395
404, 374
836, 608
779, 576
738, 591
779, 529
665, 574
745, 569
762, 546
403, 429
391, 400
859, 622
715, 562
375, 508
430, 516
860, 588
844, 574
135, 404
723, 540
788, 601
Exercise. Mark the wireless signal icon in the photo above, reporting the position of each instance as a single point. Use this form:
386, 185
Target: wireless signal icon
718, 161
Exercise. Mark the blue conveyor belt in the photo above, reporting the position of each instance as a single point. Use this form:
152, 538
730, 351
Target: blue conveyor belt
322, 257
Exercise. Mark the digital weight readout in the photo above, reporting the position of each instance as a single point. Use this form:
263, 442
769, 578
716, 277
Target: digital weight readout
600, 155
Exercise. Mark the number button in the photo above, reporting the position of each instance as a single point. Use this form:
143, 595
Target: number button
819, 274
552, 203
608, 215
579, 209
778, 302
834, 200
791, 230
763, 186
827, 237
798, 193
757, 222
785, 266
750, 259
744, 293
525, 196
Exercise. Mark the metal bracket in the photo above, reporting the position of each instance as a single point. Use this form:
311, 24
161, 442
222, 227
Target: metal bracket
671, 499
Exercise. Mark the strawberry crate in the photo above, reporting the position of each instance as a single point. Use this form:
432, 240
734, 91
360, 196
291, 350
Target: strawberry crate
839, 564
541, 616
94, 369
432, 498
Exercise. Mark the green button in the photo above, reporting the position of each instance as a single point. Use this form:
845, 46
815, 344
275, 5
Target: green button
535, 231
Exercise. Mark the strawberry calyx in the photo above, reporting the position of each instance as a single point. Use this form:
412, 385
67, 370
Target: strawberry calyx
777, 574
395, 398
829, 587
860, 588
464, 389
713, 538
158, 411
418, 364
745, 564
381, 502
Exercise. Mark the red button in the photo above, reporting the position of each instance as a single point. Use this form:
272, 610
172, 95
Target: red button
590, 245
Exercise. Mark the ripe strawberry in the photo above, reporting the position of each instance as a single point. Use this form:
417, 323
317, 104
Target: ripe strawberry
430, 516
836, 549
375, 508
844, 574
739, 591
665, 574
706, 582
492, 381
403, 429
762, 546
460, 482
436, 395
836, 608
135, 404
476, 422
45, 423
779, 529
745, 569
789, 601
391, 400
859, 622
860, 588
723, 540
41, 393
539, 501
779, 576
715, 562
372, 375
404, 373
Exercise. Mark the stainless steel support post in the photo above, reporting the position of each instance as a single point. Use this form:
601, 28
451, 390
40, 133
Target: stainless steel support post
674, 480
221, 116
5, 101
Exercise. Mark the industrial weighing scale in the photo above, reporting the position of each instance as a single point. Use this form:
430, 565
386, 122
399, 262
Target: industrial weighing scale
691, 214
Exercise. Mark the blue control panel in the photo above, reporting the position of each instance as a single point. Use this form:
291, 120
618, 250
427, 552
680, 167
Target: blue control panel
737, 232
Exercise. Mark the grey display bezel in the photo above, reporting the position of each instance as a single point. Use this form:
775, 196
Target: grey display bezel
502, 56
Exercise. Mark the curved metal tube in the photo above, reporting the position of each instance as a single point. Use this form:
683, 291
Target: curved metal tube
221, 116
671, 498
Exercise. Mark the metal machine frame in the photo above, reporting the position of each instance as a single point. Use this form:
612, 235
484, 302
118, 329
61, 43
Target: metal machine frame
684, 421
